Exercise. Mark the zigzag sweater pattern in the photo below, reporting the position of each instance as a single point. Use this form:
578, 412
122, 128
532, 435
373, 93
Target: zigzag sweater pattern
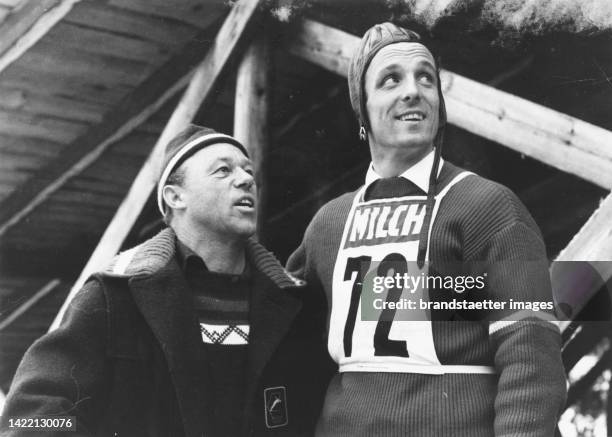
478, 221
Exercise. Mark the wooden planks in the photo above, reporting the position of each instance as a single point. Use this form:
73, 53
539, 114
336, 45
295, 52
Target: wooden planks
556, 139
194, 12
75, 65
144, 101
10, 4
17, 145
87, 89
21, 19
27, 24
145, 27
96, 41
34, 126
35, 103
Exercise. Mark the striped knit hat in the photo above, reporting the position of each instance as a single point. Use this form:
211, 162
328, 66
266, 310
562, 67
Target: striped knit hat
375, 38
183, 146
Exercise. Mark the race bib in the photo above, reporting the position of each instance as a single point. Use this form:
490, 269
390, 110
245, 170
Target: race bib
374, 276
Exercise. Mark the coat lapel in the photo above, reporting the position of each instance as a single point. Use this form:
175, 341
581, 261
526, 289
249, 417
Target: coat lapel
165, 302
273, 310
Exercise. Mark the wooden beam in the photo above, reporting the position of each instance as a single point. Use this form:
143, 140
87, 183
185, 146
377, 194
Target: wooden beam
585, 384
131, 112
323, 45
29, 303
594, 241
251, 109
232, 32
551, 137
27, 24
593, 244
556, 139
584, 342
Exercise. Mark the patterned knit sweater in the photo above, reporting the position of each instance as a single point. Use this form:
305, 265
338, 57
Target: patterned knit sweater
479, 223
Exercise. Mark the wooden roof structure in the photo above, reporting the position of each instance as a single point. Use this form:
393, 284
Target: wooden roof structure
90, 89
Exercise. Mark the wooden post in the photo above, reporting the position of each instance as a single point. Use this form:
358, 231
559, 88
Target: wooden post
253, 85
200, 85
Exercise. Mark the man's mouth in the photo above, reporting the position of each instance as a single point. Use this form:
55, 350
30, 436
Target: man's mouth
411, 116
246, 202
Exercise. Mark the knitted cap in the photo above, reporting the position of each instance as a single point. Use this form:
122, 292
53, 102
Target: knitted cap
183, 146
377, 37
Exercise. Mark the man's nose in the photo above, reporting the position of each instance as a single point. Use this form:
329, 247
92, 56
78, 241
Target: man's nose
244, 179
410, 89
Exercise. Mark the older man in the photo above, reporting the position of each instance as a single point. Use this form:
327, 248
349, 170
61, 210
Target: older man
405, 369
197, 331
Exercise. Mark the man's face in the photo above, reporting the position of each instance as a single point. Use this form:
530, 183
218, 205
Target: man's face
402, 97
219, 191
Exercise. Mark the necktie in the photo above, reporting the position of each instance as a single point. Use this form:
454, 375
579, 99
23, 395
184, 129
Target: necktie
392, 187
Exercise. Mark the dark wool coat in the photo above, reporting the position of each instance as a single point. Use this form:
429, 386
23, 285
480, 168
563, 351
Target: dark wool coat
127, 359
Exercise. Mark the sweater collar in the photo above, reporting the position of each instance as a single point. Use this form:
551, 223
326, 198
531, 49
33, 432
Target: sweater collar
417, 174
151, 256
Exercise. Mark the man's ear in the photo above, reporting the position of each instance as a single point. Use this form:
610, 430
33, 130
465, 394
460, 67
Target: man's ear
173, 196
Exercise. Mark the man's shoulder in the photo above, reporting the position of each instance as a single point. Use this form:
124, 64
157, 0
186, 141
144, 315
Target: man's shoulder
267, 264
145, 258
476, 190
337, 206
481, 203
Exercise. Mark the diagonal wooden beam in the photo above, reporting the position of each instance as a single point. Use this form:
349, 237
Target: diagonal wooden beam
556, 139
26, 24
130, 113
581, 387
592, 245
29, 303
232, 33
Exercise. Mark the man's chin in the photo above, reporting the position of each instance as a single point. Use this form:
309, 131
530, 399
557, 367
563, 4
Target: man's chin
246, 231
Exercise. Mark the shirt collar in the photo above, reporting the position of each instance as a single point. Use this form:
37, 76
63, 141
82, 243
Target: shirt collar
417, 174
185, 255
188, 260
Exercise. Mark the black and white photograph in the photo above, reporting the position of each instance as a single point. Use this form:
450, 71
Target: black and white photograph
306, 218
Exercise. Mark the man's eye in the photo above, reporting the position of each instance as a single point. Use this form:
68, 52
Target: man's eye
249, 171
426, 78
389, 80
222, 170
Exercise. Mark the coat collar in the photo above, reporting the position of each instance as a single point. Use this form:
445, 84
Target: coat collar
155, 253
162, 295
